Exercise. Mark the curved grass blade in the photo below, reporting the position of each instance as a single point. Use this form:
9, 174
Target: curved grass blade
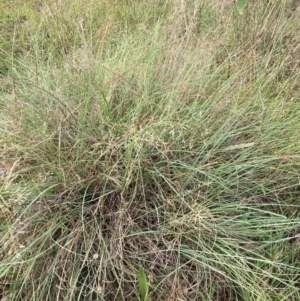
143, 285
241, 6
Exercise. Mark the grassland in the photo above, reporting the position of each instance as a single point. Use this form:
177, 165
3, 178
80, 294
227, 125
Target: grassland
149, 150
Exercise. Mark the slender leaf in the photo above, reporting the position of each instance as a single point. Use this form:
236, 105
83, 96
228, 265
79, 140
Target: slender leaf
241, 6
143, 285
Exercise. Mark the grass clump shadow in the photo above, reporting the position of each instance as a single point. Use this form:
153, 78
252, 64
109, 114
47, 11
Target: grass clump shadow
153, 160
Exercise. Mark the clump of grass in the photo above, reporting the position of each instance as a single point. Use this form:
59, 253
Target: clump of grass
146, 141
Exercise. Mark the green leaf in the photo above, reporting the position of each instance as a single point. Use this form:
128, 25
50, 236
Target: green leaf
106, 108
3, 224
241, 6
143, 285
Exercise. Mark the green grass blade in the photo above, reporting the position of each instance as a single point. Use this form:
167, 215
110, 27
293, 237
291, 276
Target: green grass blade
143, 284
241, 4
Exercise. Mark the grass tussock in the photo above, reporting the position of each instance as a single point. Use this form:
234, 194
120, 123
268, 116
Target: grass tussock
149, 151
